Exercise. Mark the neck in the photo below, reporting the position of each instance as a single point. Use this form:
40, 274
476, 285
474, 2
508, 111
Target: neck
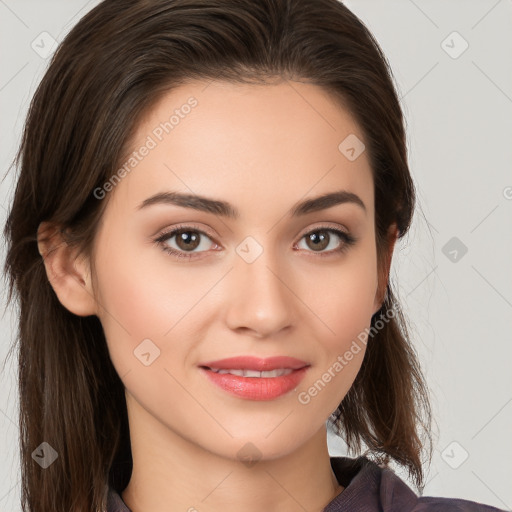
171, 474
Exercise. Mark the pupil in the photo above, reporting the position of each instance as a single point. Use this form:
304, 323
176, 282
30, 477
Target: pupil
317, 238
187, 237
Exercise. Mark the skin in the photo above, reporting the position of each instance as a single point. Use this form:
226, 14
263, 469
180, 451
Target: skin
262, 148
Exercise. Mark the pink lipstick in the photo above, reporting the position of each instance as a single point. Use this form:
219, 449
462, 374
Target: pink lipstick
254, 378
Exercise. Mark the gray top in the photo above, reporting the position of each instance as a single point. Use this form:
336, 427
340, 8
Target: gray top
368, 488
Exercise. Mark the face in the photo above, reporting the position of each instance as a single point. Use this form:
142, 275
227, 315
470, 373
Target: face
267, 281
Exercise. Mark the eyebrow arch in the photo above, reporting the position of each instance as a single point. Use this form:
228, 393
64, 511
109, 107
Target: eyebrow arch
225, 209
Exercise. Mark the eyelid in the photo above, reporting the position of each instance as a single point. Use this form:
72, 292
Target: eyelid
174, 230
347, 239
324, 225
209, 233
190, 227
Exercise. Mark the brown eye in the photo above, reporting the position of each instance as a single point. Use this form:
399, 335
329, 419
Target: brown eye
187, 240
320, 239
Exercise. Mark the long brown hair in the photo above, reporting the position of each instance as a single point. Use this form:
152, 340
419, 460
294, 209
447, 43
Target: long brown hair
110, 69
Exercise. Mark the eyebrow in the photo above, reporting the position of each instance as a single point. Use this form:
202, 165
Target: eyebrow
225, 209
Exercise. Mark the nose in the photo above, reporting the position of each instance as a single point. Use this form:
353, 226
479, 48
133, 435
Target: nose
260, 298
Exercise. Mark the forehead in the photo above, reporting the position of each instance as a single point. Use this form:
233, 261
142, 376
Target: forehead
271, 144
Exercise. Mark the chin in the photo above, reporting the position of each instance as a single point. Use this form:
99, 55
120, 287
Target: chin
250, 449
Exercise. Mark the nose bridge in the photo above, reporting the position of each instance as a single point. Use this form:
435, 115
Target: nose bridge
259, 295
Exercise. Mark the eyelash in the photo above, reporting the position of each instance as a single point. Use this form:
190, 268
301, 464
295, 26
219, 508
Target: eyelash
348, 241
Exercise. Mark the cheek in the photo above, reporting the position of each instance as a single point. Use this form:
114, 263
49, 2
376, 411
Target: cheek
344, 303
343, 295
143, 296
147, 295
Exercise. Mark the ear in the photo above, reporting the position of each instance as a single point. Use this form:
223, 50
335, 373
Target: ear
383, 271
69, 275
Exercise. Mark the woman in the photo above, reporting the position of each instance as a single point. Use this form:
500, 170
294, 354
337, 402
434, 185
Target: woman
200, 240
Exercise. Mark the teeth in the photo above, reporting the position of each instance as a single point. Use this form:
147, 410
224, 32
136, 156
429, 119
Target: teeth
278, 372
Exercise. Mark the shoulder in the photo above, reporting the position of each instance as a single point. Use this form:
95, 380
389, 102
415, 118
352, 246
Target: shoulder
372, 488
433, 504
115, 502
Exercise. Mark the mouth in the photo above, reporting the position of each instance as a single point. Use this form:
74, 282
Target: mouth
254, 378
279, 372
259, 364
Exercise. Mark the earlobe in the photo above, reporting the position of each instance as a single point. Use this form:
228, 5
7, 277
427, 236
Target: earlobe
68, 274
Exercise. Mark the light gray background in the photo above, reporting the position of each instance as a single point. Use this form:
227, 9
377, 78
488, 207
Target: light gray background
459, 115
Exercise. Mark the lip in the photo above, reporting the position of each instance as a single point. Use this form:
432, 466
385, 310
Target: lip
256, 363
256, 388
